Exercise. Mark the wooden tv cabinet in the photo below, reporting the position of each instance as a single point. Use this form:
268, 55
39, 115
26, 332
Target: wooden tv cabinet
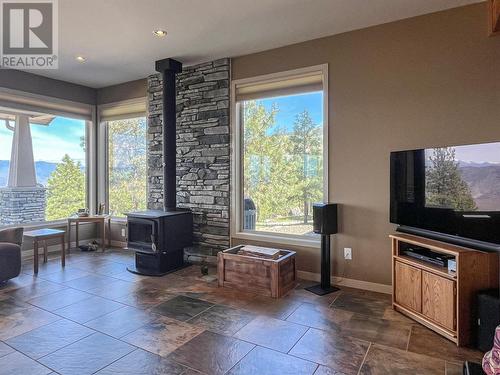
435, 297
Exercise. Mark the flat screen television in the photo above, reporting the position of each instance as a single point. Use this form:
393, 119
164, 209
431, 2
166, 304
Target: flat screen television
448, 193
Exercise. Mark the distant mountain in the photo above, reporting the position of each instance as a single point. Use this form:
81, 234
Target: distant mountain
463, 164
43, 170
484, 182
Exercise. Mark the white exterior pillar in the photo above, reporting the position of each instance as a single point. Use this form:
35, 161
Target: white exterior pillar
22, 164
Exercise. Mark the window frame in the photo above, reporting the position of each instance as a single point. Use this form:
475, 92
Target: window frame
18, 101
126, 109
236, 211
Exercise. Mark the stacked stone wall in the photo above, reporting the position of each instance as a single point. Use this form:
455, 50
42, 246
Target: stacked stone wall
203, 148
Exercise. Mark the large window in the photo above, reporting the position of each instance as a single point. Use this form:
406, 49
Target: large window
43, 168
126, 165
282, 147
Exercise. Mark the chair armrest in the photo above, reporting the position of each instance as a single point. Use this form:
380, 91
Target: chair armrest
12, 235
10, 261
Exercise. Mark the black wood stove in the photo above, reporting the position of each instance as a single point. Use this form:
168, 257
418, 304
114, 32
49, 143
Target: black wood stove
160, 236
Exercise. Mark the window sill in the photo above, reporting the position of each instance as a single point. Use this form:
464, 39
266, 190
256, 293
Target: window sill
38, 225
279, 239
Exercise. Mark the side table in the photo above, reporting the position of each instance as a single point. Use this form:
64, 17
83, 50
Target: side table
101, 220
43, 235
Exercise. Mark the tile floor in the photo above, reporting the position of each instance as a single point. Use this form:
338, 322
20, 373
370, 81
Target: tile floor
94, 317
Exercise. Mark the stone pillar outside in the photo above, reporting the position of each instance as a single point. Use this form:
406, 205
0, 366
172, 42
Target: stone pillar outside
21, 205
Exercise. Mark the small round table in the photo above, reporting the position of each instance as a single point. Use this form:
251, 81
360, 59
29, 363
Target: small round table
44, 235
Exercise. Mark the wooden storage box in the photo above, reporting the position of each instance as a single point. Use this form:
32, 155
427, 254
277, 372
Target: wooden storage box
268, 277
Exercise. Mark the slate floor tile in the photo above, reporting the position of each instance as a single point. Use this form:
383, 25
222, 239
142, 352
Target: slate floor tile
35, 290
323, 370
382, 360
16, 363
362, 303
87, 355
271, 333
182, 308
424, 341
223, 319
5, 349
386, 332
23, 321
163, 335
141, 362
341, 353
60, 299
264, 361
145, 297
89, 282
66, 274
215, 354
115, 289
88, 309
49, 338
122, 321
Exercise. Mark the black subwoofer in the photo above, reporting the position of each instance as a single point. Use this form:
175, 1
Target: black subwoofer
488, 318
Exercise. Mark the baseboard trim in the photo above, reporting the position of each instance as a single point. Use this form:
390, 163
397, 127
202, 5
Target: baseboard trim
351, 283
120, 244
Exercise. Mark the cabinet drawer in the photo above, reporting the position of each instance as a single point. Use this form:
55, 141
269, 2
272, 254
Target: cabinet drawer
438, 300
408, 282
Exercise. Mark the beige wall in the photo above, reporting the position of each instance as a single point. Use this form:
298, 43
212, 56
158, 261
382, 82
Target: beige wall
35, 84
432, 80
123, 91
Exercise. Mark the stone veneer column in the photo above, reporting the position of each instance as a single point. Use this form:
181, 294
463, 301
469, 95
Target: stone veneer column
203, 148
20, 205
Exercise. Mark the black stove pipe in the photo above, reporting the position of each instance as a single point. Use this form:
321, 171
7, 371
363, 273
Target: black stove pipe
169, 68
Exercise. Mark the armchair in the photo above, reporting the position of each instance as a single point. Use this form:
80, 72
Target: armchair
10, 253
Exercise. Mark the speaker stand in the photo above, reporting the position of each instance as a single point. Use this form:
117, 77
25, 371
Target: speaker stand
324, 287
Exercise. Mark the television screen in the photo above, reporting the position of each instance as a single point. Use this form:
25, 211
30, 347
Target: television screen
453, 190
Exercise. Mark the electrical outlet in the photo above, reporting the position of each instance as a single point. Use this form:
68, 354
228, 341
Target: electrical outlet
123, 232
347, 253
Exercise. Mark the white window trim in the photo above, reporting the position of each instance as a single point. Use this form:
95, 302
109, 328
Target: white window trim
102, 147
16, 100
236, 213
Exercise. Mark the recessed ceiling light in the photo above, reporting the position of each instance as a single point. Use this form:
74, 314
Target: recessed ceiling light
80, 59
160, 33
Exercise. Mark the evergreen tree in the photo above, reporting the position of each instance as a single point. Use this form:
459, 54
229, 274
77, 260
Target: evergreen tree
307, 148
127, 165
269, 174
65, 190
445, 186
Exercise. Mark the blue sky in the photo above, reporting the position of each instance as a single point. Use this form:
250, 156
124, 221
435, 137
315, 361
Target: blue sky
50, 143
290, 106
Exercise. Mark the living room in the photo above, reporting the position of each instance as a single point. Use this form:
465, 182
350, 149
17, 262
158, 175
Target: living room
188, 172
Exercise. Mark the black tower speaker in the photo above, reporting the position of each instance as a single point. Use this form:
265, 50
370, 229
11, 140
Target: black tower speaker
488, 318
324, 223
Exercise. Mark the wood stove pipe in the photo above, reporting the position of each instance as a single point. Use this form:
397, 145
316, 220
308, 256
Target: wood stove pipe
169, 68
